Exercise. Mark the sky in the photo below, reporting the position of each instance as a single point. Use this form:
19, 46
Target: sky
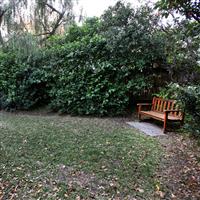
96, 7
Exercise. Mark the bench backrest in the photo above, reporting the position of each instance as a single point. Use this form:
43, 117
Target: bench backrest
160, 104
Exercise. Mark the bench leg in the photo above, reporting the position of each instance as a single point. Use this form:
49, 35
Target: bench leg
139, 117
165, 126
165, 122
181, 123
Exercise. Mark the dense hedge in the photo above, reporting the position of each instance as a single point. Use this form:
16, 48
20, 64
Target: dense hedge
190, 98
22, 85
89, 81
94, 69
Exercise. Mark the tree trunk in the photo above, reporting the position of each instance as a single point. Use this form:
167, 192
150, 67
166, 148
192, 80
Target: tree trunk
2, 12
1, 39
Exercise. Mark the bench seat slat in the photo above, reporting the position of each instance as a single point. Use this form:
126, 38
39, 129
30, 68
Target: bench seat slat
160, 116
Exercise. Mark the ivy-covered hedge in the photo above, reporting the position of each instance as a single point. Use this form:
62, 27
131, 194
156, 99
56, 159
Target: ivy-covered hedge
88, 82
93, 69
22, 85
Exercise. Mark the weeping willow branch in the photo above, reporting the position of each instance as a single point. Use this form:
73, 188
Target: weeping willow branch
53, 9
46, 20
56, 25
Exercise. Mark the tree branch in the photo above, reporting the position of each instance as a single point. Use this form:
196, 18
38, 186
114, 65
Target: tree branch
53, 9
2, 12
196, 17
52, 32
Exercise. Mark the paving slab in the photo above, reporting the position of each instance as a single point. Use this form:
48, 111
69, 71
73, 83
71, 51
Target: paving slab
147, 128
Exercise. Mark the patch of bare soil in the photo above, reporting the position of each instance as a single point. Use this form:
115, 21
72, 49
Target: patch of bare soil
179, 174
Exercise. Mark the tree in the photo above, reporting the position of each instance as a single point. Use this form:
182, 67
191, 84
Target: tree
132, 35
189, 8
182, 39
182, 52
44, 17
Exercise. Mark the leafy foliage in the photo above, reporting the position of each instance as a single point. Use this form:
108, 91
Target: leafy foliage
107, 65
99, 67
22, 86
189, 99
94, 69
190, 96
23, 82
189, 8
182, 52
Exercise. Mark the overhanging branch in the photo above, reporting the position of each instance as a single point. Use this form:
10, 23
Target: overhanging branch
53, 9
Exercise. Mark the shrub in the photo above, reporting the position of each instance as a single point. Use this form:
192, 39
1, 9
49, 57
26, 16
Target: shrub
94, 69
188, 98
91, 89
89, 81
23, 85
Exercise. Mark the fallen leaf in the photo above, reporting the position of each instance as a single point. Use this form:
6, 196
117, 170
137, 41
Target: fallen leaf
140, 190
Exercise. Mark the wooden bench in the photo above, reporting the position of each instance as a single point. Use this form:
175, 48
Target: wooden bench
162, 110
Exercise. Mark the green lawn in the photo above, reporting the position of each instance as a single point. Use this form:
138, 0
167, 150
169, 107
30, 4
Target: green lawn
53, 157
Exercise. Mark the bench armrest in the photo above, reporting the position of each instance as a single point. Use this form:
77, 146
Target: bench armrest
168, 111
140, 105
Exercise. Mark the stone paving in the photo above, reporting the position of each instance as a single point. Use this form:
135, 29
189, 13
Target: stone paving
147, 128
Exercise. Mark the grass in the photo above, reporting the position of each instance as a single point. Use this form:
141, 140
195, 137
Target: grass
52, 157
